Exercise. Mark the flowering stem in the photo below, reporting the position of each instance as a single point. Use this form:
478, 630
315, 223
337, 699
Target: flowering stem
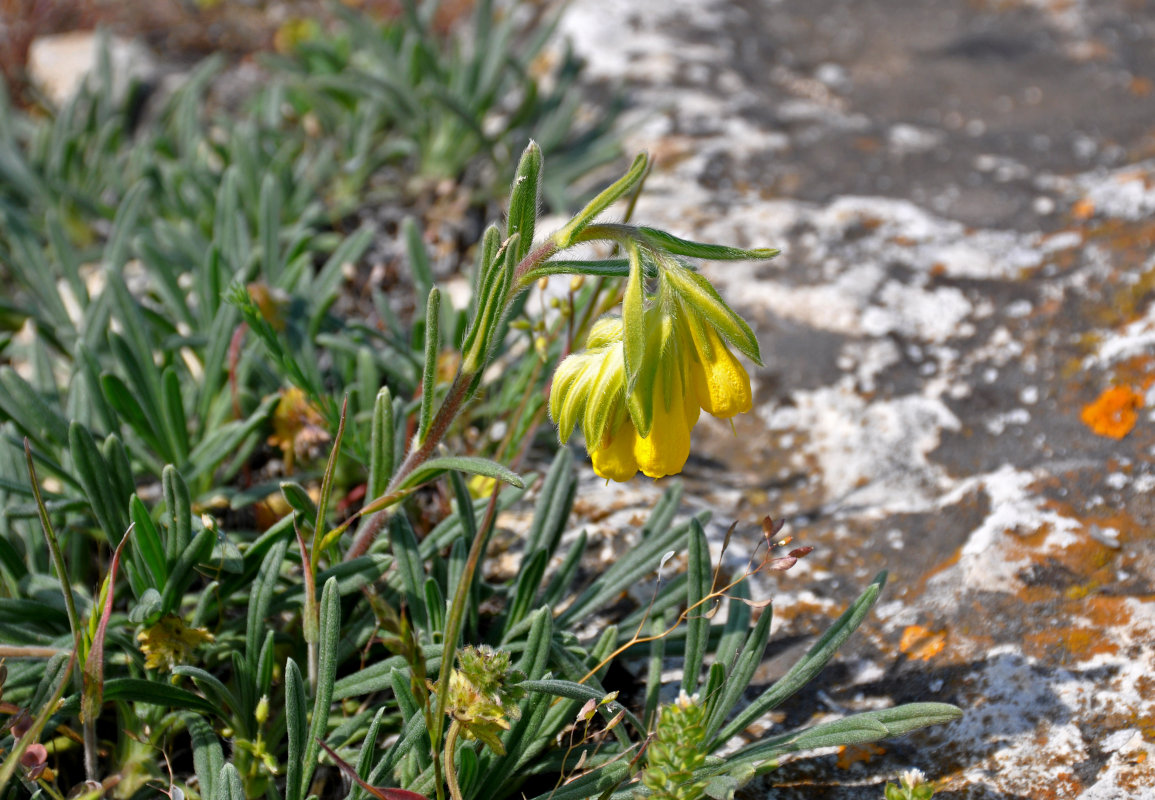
453, 624
533, 259
450, 769
459, 393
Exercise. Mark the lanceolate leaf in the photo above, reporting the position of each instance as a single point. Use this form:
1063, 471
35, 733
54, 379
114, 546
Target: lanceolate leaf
814, 660
857, 729
567, 235
524, 198
713, 252
469, 464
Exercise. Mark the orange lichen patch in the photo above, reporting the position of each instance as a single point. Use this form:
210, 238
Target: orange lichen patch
1140, 87
1083, 209
1065, 642
1099, 617
1113, 413
921, 643
849, 755
1104, 611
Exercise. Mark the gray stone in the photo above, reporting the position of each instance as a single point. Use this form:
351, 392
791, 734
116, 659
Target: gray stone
963, 194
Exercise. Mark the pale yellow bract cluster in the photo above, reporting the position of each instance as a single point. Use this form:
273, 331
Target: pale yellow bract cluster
693, 370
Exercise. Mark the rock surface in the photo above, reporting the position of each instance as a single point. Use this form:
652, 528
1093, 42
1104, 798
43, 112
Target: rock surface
964, 194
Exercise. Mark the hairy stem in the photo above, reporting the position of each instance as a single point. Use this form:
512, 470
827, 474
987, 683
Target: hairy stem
450, 769
456, 397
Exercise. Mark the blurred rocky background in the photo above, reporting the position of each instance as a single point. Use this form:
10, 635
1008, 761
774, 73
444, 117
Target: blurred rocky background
958, 334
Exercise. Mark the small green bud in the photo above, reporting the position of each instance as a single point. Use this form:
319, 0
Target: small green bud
261, 714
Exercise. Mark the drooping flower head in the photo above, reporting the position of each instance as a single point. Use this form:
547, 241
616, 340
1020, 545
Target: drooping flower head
681, 364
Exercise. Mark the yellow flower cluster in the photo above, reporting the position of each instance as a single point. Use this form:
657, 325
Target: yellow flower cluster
169, 642
688, 368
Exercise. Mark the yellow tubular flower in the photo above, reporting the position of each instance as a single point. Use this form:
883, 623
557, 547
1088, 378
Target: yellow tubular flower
614, 459
692, 369
665, 450
721, 382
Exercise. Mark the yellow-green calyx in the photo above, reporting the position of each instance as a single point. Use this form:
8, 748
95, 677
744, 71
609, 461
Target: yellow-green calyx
685, 366
676, 751
483, 695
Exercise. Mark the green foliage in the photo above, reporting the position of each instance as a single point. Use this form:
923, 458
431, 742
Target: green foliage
447, 104
173, 580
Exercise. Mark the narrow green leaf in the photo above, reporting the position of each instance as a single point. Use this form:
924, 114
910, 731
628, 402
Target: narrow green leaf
297, 496
326, 675
434, 605
535, 658
737, 626
124, 227
528, 582
418, 259
119, 469
869, 726
183, 573
404, 546
368, 752
110, 511
697, 625
25, 407
265, 666
715, 252
296, 729
124, 401
216, 692
579, 691
177, 513
155, 693
261, 597
568, 235
381, 445
811, 664
319, 524
554, 503
429, 373
229, 785
602, 268
270, 229
524, 198
740, 676
658, 626
74, 622
176, 422
208, 756
468, 464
